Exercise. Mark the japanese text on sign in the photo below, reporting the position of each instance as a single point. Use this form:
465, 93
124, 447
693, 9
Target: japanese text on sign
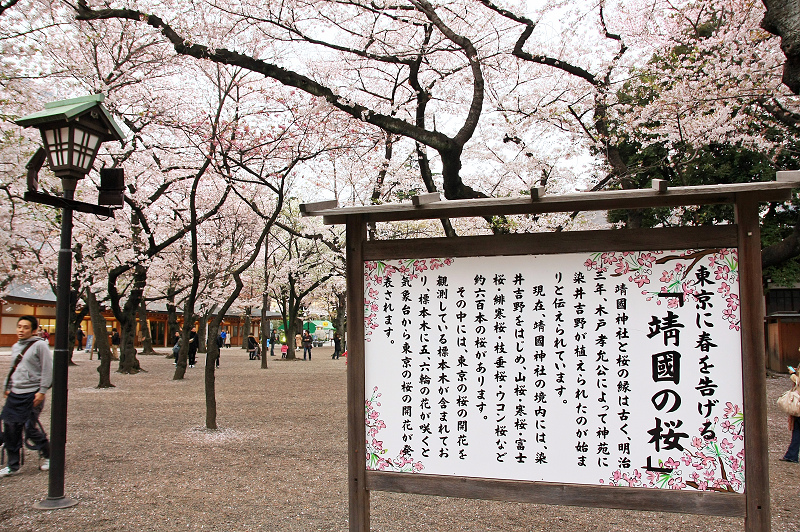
618, 368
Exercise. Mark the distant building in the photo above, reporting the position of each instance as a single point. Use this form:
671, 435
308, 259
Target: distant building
24, 299
782, 328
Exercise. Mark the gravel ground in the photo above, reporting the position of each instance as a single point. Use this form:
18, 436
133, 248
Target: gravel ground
139, 459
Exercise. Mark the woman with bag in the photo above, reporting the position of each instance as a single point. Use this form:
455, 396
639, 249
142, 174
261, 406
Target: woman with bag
788, 404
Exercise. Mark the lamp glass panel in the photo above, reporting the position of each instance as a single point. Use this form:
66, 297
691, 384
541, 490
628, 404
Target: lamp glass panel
57, 141
85, 148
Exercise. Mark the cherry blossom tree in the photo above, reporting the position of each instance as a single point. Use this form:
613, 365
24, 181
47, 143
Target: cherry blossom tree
301, 265
471, 97
393, 54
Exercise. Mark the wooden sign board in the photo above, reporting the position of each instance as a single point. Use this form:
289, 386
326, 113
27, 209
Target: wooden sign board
609, 369
603, 368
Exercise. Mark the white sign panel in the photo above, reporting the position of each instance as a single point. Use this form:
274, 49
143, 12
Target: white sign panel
618, 368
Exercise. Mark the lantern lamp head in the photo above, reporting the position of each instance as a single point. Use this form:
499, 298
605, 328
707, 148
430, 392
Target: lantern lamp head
72, 131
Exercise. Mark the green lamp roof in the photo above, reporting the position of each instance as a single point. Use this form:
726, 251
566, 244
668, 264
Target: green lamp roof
67, 110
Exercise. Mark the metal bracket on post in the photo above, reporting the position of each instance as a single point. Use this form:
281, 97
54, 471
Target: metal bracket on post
64, 203
34, 196
33, 166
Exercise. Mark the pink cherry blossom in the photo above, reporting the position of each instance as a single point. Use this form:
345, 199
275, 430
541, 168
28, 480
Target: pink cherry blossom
677, 483
646, 259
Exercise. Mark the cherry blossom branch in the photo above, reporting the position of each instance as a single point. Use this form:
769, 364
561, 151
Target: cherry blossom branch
286, 77
696, 257
450, 149
476, 105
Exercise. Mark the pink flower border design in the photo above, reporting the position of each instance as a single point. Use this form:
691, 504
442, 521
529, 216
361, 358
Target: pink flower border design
376, 454
375, 272
637, 266
710, 465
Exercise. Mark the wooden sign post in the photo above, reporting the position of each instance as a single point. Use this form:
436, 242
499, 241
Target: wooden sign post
595, 368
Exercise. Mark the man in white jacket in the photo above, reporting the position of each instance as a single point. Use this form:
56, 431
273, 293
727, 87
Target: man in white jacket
29, 379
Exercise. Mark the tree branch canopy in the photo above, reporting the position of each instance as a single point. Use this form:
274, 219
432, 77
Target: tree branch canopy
449, 148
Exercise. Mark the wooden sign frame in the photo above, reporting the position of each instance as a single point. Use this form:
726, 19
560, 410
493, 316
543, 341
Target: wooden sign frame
753, 505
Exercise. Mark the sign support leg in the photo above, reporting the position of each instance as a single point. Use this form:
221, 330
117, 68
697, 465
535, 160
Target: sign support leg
753, 364
356, 428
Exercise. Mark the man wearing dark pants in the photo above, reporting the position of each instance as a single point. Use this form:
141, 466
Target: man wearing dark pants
29, 378
194, 343
79, 335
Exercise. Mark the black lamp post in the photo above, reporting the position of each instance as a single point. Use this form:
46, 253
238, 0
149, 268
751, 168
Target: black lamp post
72, 131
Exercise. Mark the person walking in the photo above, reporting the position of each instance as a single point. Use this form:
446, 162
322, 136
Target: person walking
29, 379
337, 346
273, 339
308, 343
115, 341
793, 452
193, 345
220, 343
298, 342
223, 335
79, 336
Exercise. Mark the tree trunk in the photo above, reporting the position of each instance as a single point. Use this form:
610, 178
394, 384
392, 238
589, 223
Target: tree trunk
783, 18
202, 324
291, 329
172, 315
212, 354
76, 318
265, 301
100, 340
183, 354
144, 327
264, 330
246, 329
128, 363
183, 357
339, 322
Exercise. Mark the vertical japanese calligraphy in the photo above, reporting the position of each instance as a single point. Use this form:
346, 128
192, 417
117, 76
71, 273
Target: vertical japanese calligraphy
618, 368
